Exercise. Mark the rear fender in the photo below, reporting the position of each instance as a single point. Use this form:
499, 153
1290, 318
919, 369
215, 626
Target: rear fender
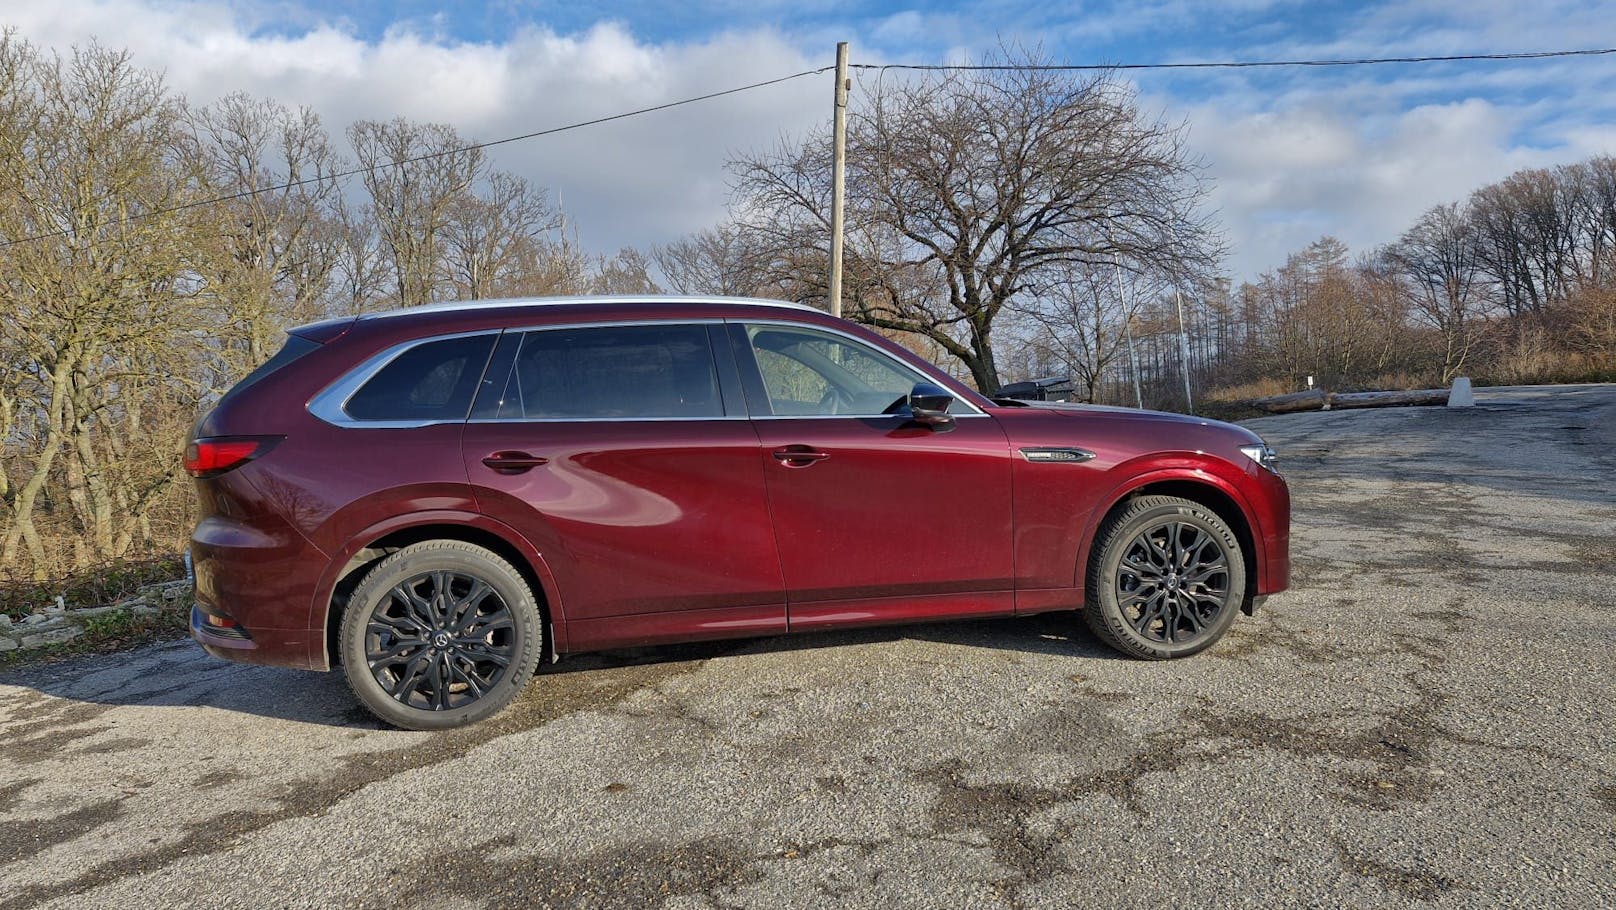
320, 607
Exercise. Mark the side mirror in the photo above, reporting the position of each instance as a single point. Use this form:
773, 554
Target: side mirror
928, 406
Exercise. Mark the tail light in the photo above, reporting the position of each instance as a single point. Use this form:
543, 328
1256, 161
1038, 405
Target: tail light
214, 456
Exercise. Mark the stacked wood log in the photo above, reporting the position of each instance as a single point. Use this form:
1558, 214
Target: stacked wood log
1318, 400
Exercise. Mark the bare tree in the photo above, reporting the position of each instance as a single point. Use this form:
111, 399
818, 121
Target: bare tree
416, 174
628, 272
1440, 258
276, 246
484, 236
966, 190
725, 261
1082, 319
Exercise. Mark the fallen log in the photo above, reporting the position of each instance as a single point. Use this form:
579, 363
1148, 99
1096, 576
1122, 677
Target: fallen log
1310, 400
1406, 398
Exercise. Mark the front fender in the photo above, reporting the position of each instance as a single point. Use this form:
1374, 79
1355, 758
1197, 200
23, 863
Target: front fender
1132, 476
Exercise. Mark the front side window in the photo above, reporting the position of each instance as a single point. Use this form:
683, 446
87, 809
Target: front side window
624, 372
807, 373
429, 382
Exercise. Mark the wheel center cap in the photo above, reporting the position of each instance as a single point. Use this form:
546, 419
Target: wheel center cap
440, 640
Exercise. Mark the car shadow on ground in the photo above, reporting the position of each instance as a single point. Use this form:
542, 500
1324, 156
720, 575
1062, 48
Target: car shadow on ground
1061, 633
178, 674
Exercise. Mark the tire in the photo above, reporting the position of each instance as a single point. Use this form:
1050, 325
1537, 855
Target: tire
1140, 598
422, 664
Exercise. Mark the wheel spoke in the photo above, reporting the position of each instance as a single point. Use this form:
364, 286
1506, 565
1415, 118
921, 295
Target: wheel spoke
465, 608
409, 678
466, 672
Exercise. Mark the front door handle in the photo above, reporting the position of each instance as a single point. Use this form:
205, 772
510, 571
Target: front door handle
799, 456
511, 462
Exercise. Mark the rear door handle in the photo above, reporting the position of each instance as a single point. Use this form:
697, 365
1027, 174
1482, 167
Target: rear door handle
799, 456
511, 462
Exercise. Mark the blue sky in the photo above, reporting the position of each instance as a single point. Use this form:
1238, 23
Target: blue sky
1293, 154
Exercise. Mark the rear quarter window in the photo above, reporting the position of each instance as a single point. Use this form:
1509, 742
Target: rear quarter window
431, 381
295, 347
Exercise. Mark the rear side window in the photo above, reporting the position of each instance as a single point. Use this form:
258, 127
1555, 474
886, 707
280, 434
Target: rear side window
295, 347
431, 381
624, 372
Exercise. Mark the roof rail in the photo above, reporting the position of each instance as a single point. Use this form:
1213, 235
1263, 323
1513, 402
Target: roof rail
455, 305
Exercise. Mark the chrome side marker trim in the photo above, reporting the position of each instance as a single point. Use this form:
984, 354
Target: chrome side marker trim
1057, 455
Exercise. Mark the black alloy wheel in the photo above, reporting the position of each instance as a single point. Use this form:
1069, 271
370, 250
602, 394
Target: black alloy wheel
1166, 579
439, 640
440, 634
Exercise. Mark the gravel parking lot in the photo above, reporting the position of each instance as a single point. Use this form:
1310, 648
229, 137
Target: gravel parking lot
1424, 720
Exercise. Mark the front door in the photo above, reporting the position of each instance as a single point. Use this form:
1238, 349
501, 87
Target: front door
612, 450
877, 518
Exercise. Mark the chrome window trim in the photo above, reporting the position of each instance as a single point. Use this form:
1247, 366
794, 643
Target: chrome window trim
902, 364
330, 403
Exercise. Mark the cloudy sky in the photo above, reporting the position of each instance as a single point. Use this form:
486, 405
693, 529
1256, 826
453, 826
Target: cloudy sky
1294, 154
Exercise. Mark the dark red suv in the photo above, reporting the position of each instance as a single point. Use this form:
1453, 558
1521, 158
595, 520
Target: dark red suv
439, 498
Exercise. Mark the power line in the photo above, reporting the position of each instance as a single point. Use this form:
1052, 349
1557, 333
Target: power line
339, 175
1232, 64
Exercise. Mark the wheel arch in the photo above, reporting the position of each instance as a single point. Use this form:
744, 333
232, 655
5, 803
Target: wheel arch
1199, 487
349, 566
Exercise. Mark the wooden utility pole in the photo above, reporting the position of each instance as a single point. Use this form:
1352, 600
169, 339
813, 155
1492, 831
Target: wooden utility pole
838, 178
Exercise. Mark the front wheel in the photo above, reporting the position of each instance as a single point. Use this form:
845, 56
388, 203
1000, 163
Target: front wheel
440, 634
1166, 578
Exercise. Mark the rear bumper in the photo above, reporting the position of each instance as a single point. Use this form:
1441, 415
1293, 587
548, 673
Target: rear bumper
253, 590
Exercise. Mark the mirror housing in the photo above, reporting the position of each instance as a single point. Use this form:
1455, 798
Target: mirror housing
928, 406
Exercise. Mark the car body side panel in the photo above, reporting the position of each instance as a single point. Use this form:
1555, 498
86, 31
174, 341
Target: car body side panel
896, 510
637, 517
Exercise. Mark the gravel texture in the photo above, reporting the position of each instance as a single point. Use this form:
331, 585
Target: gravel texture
1424, 720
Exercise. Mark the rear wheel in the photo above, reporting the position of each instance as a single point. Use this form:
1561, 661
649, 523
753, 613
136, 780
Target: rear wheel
440, 634
1166, 579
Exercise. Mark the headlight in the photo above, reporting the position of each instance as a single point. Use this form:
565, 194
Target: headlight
1262, 455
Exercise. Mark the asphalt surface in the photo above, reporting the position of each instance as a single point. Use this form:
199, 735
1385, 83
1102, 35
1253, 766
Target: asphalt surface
1424, 720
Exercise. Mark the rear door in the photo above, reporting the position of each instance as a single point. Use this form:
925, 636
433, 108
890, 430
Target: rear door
878, 519
623, 453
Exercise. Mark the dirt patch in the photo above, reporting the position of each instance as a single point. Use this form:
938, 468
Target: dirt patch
635, 876
1418, 884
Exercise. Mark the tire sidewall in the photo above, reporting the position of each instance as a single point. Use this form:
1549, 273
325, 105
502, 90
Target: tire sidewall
1110, 561
415, 560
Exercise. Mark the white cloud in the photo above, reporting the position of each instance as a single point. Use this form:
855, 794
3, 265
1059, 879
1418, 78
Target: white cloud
638, 181
1357, 154
1285, 178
